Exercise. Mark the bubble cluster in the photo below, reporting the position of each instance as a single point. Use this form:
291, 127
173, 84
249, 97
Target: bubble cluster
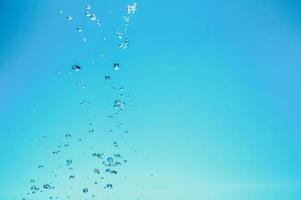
85, 166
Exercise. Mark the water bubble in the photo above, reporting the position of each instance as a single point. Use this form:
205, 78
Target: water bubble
46, 186
119, 105
61, 12
126, 19
79, 29
84, 39
68, 135
69, 18
71, 176
110, 160
97, 171
132, 8
109, 186
76, 68
85, 190
88, 7
107, 77
116, 66
88, 14
93, 17
124, 44
119, 35
68, 162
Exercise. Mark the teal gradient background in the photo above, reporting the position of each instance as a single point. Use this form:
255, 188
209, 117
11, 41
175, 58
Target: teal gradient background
215, 96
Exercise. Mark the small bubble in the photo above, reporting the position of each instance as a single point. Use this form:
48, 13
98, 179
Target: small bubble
46, 186
110, 160
69, 18
107, 77
124, 44
96, 171
109, 186
132, 8
119, 35
88, 7
79, 29
88, 14
116, 66
119, 105
84, 39
68, 162
93, 17
76, 68
85, 190
98, 23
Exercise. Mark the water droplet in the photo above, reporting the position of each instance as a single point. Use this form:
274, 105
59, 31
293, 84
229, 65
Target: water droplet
79, 29
46, 186
119, 105
98, 23
124, 44
68, 135
132, 8
69, 18
107, 77
126, 19
97, 171
85, 190
110, 160
88, 7
84, 39
116, 66
119, 35
93, 17
68, 162
76, 68
88, 14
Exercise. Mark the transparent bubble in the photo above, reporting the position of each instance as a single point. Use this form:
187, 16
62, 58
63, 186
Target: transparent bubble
69, 18
68, 135
110, 160
107, 77
85, 190
76, 68
68, 162
119, 105
132, 8
119, 35
116, 66
124, 44
46, 186
79, 29
93, 17
88, 7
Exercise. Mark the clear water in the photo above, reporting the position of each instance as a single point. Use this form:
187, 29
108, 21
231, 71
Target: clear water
155, 100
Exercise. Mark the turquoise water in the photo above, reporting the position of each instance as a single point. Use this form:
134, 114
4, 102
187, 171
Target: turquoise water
205, 103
